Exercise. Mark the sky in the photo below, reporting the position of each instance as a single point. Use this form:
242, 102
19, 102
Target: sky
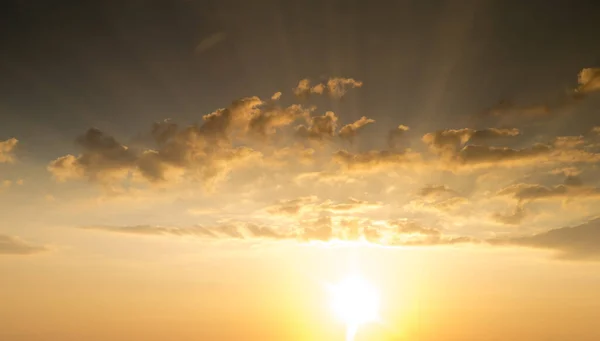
202, 170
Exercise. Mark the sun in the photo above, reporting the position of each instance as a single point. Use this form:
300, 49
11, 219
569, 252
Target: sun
355, 302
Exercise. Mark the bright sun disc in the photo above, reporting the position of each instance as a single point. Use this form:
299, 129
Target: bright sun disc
355, 301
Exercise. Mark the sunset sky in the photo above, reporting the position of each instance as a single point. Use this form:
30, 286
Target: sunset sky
204, 170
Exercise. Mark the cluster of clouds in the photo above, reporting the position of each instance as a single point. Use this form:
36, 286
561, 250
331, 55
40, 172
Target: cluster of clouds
255, 132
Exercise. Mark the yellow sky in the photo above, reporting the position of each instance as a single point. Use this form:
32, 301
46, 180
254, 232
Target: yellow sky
231, 229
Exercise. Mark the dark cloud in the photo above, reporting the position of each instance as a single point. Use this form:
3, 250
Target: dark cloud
10, 245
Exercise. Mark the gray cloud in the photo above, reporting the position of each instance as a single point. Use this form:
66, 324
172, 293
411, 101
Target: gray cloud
10, 245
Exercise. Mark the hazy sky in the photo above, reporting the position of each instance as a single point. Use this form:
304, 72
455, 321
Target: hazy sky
200, 170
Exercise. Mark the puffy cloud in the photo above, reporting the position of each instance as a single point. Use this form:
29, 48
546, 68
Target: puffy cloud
276, 96
102, 158
10, 245
349, 131
589, 80
7, 148
201, 152
319, 128
596, 130
397, 137
336, 87
581, 242
265, 122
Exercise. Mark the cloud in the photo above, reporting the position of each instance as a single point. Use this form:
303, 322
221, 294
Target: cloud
509, 111
10, 245
319, 127
231, 230
102, 158
375, 160
411, 233
581, 242
436, 191
265, 122
202, 152
447, 142
319, 229
312, 205
397, 137
330, 178
7, 148
532, 192
513, 218
336, 87
589, 80
291, 206
324, 228
210, 41
349, 131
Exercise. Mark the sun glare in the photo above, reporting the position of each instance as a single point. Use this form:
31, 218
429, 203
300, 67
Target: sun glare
355, 302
